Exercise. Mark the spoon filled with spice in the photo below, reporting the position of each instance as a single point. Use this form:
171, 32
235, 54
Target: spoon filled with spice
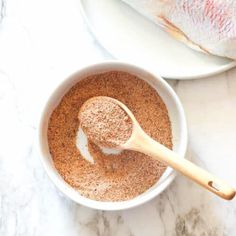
110, 124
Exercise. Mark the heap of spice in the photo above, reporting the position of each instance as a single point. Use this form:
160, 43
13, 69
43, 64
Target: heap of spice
112, 177
105, 122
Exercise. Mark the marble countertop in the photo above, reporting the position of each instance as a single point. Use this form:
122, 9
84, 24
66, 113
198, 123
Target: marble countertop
40, 43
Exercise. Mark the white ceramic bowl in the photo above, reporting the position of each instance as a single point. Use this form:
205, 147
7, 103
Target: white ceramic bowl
176, 114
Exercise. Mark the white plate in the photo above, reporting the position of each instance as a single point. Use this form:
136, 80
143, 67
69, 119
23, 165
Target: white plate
129, 36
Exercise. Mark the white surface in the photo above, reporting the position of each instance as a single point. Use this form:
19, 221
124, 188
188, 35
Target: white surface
129, 36
41, 42
177, 118
82, 145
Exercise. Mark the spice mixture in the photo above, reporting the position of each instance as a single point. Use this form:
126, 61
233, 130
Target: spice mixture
105, 122
112, 177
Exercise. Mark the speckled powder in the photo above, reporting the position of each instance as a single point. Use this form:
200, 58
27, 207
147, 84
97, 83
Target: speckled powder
112, 177
105, 122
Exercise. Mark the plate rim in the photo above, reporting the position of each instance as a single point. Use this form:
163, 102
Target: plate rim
169, 76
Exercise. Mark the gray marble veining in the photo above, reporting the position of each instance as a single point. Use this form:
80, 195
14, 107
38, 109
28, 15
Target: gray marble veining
2, 9
40, 43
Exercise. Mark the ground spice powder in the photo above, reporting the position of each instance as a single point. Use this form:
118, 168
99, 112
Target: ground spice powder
112, 177
105, 122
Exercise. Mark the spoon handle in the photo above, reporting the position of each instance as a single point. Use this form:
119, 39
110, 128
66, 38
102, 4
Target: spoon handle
150, 147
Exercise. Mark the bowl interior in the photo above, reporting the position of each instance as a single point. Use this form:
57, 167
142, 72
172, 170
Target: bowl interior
176, 115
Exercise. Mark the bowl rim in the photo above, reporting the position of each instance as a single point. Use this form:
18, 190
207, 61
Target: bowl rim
73, 194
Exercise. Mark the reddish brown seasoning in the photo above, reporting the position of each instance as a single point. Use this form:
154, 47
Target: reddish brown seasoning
105, 122
112, 177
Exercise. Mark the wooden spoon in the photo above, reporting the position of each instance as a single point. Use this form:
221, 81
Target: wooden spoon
141, 142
